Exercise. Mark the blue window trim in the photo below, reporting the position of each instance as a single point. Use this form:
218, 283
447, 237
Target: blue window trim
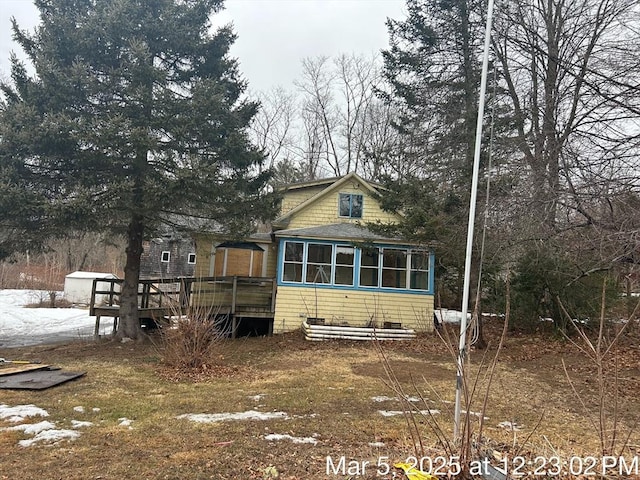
356, 266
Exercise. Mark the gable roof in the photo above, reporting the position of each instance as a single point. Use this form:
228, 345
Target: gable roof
325, 182
332, 185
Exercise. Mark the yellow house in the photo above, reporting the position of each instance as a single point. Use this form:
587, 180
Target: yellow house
321, 265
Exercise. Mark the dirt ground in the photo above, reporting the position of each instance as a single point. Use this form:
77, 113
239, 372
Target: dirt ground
336, 402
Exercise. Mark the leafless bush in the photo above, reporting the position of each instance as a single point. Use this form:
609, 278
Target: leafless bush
191, 340
605, 417
467, 448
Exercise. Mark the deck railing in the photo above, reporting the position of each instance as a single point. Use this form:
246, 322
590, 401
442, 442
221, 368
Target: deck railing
233, 295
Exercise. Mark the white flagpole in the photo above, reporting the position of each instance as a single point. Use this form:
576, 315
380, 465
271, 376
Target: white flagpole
472, 214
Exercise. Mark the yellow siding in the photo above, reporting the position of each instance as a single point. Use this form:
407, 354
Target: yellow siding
294, 198
325, 209
353, 308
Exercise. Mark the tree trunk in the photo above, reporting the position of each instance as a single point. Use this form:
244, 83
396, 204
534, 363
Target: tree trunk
129, 325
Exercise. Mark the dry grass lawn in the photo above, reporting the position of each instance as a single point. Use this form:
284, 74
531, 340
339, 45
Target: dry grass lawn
326, 391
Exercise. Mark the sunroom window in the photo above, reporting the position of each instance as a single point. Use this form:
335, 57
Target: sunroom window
394, 268
319, 263
293, 261
345, 258
369, 272
419, 270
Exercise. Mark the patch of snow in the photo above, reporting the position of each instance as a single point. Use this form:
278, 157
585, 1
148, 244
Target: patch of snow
33, 428
475, 414
50, 436
449, 316
390, 413
511, 426
20, 412
455, 316
80, 424
377, 444
44, 431
125, 422
384, 398
95, 409
276, 436
20, 326
79, 409
394, 413
256, 398
311, 415
224, 417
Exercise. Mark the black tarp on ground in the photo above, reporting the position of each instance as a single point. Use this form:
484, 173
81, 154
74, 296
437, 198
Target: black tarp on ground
45, 377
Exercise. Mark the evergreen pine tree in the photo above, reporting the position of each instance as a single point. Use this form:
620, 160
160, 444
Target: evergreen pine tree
432, 73
134, 113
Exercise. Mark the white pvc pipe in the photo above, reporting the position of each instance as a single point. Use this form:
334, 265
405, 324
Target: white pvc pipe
470, 227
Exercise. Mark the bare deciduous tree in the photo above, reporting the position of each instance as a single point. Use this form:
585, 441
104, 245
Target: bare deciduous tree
343, 122
272, 126
568, 70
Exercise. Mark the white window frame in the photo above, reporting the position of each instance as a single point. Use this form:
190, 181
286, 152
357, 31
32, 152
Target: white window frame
165, 256
408, 270
301, 263
336, 265
427, 272
320, 275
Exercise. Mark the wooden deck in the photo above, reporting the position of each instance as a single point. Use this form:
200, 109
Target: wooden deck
235, 297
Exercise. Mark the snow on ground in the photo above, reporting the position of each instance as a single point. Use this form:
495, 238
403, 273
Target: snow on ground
384, 398
395, 413
44, 431
224, 417
449, 316
475, 414
19, 413
272, 437
33, 428
50, 436
516, 427
125, 422
21, 326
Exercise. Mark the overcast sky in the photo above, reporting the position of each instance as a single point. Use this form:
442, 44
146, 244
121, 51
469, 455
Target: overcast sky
273, 35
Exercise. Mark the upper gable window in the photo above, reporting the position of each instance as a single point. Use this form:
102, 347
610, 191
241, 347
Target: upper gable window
350, 205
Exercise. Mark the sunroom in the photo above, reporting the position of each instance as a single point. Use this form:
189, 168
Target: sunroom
344, 274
